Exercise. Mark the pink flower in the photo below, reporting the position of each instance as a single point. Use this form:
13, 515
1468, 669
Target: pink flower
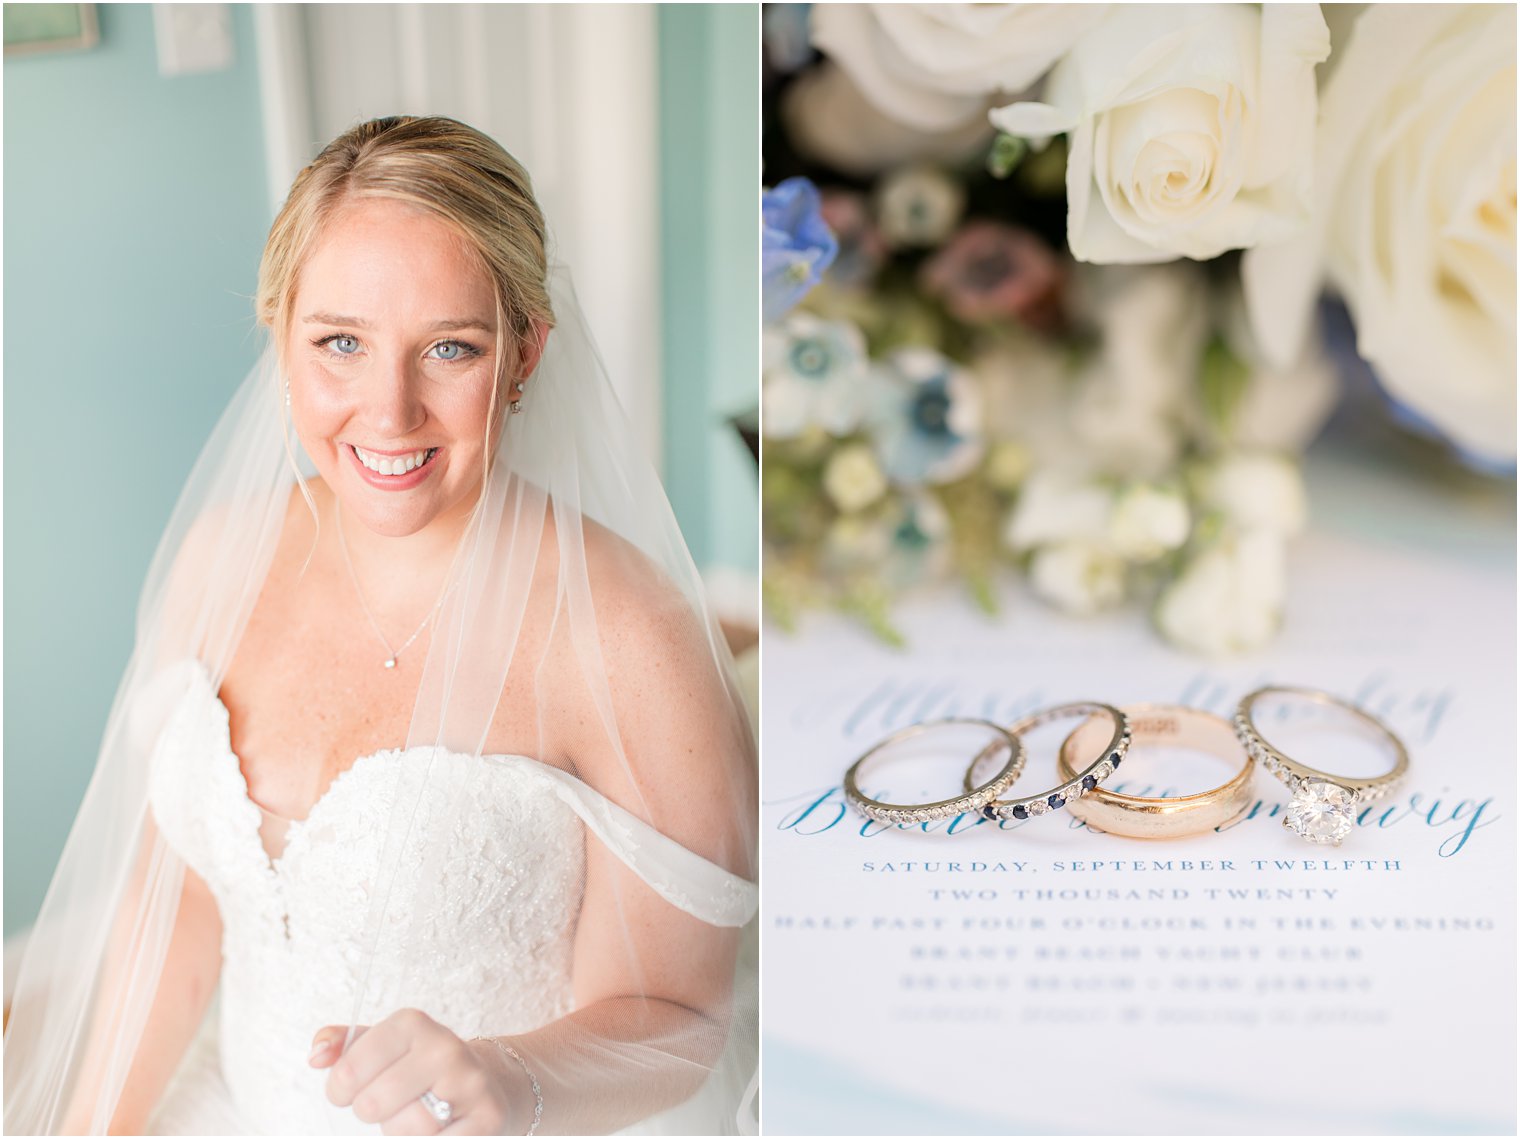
862, 250
990, 271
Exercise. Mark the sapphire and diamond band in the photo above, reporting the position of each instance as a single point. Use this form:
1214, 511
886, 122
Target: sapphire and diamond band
1324, 807
1081, 782
974, 797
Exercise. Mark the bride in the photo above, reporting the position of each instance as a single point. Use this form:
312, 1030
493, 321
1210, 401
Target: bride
427, 802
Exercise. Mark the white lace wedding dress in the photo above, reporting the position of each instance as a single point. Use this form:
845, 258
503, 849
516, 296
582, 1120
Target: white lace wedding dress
293, 924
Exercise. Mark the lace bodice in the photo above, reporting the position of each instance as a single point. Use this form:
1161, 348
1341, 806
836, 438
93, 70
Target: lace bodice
500, 883
498, 952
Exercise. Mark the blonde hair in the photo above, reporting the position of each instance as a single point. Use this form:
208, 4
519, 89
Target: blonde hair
444, 167
458, 175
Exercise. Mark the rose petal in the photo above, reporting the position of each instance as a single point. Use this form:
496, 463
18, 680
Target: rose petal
1166, 101
1282, 281
1293, 38
1091, 232
851, 36
982, 48
1038, 122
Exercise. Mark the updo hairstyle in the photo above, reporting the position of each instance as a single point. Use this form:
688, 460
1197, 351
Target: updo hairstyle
454, 172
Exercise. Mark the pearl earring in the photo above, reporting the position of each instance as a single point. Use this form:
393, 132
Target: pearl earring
515, 407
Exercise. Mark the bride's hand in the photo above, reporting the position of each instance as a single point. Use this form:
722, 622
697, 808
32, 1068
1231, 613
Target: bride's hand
389, 1065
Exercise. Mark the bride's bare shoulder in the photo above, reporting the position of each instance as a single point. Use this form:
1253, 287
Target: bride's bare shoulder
681, 736
658, 649
648, 627
641, 610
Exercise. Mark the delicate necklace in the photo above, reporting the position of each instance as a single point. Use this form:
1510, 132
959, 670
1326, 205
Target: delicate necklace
390, 661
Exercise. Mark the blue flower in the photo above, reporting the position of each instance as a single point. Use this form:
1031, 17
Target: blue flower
899, 543
814, 375
796, 245
925, 418
920, 541
914, 533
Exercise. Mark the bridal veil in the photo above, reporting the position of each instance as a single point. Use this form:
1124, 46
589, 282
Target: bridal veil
572, 542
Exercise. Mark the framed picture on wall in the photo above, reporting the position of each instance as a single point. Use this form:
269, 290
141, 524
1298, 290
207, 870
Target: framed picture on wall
34, 28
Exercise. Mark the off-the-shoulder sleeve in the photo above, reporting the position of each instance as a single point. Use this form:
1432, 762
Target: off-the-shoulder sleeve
686, 880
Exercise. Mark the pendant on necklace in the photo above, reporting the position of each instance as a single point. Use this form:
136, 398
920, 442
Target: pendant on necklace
391, 663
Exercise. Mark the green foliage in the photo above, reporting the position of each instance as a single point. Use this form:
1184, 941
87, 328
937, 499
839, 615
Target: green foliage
976, 515
872, 603
1006, 154
1222, 381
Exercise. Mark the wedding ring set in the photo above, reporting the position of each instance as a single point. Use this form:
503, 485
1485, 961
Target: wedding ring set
1323, 808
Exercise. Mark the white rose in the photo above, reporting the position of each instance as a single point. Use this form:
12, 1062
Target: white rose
1187, 125
828, 120
1147, 521
1228, 598
852, 478
918, 206
1077, 577
933, 66
1055, 506
1257, 492
1415, 217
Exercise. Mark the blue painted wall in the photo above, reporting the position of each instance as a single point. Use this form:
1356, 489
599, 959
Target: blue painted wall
134, 218
710, 166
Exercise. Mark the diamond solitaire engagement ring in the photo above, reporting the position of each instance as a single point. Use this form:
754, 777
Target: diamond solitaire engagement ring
1093, 772
1324, 807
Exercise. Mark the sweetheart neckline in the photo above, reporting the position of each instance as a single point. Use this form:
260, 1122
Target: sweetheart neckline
676, 873
293, 827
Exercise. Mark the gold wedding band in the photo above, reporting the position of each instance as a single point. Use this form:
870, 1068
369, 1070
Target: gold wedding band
1167, 725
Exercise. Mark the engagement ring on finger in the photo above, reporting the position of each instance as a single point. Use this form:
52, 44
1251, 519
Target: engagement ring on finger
440, 1109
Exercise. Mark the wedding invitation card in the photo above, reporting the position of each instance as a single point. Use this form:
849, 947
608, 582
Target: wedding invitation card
964, 976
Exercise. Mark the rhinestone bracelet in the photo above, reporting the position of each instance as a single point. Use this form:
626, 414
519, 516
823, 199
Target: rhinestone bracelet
538, 1095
